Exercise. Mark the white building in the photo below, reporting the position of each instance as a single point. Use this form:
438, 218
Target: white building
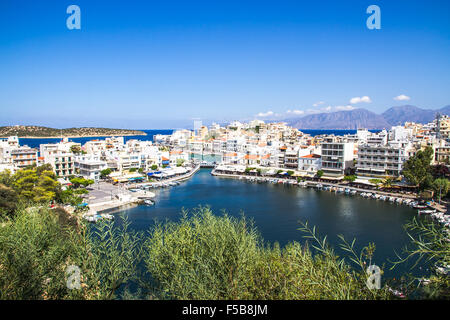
336, 156
89, 166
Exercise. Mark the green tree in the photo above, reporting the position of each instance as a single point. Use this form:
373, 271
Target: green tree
180, 162
441, 187
417, 169
350, 178
319, 173
6, 178
76, 149
154, 167
376, 182
105, 172
8, 200
387, 183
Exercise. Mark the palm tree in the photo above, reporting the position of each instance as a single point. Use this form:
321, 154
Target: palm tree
387, 183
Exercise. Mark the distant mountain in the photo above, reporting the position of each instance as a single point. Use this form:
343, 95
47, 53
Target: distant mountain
362, 118
445, 110
399, 115
353, 119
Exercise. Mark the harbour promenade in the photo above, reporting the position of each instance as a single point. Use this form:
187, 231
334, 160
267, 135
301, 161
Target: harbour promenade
106, 198
333, 187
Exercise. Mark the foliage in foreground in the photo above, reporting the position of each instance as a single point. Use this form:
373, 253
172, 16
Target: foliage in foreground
201, 257
211, 257
38, 245
430, 243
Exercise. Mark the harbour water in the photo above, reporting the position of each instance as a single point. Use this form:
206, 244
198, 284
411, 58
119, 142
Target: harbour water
277, 210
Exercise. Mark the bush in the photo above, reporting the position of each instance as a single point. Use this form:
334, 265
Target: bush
210, 257
38, 245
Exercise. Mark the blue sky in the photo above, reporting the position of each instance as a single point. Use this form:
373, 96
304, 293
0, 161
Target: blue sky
160, 64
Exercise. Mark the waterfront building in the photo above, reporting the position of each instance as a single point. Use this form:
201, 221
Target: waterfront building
337, 155
309, 164
381, 160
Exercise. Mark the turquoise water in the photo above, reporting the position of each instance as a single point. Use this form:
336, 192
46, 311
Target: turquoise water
277, 210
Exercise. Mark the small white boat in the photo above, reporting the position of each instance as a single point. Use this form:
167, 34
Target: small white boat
90, 218
426, 211
149, 202
107, 216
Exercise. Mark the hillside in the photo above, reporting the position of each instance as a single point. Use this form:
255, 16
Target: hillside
44, 132
353, 119
363, 118
399, 115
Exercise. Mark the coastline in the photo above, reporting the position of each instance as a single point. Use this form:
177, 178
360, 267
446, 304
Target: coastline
83, 136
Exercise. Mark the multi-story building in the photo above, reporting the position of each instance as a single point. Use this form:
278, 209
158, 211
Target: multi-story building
380, 160
24, 156
337, 156
63, 163
442, 153
89, 166
6, 146
310, 163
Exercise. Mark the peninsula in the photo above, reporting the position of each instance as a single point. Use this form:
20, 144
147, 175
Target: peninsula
45, 132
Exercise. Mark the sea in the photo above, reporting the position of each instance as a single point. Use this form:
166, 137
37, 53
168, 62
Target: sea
35, 142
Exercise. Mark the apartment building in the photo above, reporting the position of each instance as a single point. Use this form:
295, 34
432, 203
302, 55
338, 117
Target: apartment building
89, 166
24, 156
380, 160
6, 146
337, 155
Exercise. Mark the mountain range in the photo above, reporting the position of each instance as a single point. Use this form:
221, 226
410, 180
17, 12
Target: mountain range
363, 118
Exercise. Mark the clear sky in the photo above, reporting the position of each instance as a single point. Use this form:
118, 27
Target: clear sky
160, 64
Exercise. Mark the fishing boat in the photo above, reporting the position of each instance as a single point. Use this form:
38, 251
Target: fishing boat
149, 202
353, 192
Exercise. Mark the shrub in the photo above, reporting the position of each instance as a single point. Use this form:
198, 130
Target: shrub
211, 257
